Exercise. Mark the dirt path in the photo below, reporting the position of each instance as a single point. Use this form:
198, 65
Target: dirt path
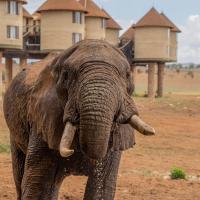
142, 171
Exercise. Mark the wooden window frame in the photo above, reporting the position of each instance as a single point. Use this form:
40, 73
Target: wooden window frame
74, 38
16, 28
16, 12
74, 19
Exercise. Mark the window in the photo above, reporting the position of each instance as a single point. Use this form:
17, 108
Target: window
13, 7
77, 17
13, 32
76, 37
103, 23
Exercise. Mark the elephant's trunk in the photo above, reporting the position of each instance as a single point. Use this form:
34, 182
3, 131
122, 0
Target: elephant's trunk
98, 105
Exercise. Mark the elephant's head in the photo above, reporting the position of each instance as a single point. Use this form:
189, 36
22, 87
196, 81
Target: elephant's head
93, 81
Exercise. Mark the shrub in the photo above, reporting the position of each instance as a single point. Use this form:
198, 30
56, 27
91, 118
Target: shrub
177, 173
178, 70
191, 74
4, 148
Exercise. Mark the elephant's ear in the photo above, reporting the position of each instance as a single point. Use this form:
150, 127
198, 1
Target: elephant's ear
45, 107
127, 110
127, 50
123, 137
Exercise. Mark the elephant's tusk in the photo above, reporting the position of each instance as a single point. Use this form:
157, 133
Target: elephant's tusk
141, 126
66, 140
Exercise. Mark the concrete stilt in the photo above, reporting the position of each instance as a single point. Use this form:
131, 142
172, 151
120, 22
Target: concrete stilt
133, 73
161, 71
151, 73
1, 58
23, 62
8, 71
1, 68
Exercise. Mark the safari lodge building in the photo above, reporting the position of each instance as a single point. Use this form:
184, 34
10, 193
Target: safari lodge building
58, 24
154, 39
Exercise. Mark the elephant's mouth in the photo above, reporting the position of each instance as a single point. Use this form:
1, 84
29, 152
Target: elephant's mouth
70, 130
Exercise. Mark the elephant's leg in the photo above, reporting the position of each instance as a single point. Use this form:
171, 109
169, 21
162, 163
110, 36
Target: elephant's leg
42, 177
18, 161
101, 183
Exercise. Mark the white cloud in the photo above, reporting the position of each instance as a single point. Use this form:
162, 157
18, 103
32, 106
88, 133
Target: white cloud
189, 40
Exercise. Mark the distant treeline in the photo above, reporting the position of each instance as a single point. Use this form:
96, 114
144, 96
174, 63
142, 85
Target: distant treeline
183, 66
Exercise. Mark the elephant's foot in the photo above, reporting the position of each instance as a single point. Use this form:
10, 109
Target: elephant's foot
18, 161
42, 176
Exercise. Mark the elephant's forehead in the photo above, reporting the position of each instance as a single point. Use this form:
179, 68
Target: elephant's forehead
97, 52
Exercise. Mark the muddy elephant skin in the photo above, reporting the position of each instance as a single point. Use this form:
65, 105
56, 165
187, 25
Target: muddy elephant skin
88, 85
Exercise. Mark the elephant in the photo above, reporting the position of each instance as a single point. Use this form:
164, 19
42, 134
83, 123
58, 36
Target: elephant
72, 114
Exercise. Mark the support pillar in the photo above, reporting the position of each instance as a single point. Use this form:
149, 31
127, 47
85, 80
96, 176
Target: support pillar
1, 59
133, 73
161, 71
1, 67
151, 77
8, 71
23, 62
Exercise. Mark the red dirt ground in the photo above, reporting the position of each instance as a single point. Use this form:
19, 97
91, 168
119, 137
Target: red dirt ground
177, 144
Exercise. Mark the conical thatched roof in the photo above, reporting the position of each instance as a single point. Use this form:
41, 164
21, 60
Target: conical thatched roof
175, 28
153, 19
111, 23
129, 34
26, 13
93, 9
52, 5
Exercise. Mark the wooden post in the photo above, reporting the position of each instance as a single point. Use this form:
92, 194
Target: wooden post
161, 71
151, 73
23, 62
8, 71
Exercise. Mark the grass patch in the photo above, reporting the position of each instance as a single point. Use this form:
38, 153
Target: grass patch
177, 173
4, 148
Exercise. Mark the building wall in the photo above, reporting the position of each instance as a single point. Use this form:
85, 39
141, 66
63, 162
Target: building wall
57, 29
173, 46
152, 44
94, 29
112, 36
12, 20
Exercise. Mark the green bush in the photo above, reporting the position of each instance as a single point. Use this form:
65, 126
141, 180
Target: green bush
177, 173
191, 74
4, 148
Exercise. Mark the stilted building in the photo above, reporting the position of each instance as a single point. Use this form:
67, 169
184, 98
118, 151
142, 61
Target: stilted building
112, 31
11, 34
155, 43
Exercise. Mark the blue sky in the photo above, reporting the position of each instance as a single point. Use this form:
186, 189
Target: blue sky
185, 13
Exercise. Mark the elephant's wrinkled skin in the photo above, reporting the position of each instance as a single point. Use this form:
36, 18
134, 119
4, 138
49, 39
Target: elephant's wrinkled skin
89, 86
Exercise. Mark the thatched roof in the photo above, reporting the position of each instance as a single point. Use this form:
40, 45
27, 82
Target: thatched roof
175, 28
153, 19
111, 23
129, 34
26, 13
93, 9
53, 5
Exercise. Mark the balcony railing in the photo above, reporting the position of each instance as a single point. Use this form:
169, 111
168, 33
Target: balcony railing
31, 38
